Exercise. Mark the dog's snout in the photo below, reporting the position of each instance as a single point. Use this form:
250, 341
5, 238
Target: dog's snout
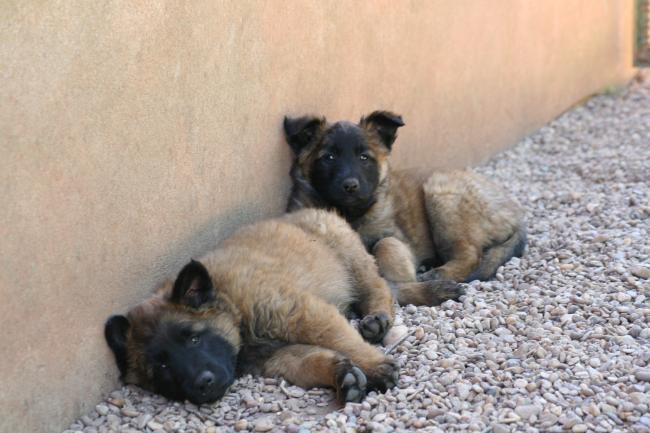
205, 381
351, 184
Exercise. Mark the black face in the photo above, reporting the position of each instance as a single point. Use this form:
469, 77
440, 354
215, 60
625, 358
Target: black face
345, 173
178, 354
198, 366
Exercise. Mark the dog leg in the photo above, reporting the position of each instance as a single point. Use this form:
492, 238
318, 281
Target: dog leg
375, 298
374, 294
499, 254
428, 293
311, 366
320, 324
465, 259
397, 264
395, 260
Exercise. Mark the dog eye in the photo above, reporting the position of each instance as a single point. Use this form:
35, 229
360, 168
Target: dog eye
329, 156
163, 365
195, 339
364, 157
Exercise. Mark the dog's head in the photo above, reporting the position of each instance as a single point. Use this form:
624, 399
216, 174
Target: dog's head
344, 162
182, 343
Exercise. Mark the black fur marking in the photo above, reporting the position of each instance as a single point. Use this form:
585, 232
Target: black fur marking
115, 332
385, 123
346, 157
187, 364
193, 286
517, 250
303, 193
477, 275
301, 131
374, 327
252, 356
521, 245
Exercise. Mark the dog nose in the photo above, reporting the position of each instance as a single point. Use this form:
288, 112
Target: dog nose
350, 184
204, 381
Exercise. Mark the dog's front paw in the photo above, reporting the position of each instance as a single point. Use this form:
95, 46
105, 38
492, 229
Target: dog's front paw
383, 376
350, 382
373, 327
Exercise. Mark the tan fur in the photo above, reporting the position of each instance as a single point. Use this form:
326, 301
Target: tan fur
395, 259
287, 280
454, 216
304, 365
470, 213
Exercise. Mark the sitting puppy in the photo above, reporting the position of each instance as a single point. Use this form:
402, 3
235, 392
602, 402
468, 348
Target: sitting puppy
458, 222
271, 300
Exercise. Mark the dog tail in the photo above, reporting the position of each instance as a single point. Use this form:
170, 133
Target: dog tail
498, 254
427, 293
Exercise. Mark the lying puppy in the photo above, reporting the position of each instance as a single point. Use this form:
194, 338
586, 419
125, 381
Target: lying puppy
458, 222
270, 300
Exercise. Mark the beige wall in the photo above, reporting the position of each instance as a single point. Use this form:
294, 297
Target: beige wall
134, 135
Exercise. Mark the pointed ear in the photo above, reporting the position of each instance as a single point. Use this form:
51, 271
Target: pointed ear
301, 131
193, 286
115, 331
385, 124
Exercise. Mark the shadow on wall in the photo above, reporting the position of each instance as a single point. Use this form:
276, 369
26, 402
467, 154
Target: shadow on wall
204, 239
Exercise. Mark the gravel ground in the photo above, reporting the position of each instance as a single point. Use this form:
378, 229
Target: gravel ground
559, 341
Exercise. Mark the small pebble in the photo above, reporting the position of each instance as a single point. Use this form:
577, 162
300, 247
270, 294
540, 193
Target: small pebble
527, 410
102, 409
579, 428
640, 271
642, 375
126, 411
395, 334
263, 425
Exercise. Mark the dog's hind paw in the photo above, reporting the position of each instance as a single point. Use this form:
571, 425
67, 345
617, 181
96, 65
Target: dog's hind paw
444, 290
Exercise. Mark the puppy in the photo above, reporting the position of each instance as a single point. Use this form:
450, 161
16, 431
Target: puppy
457, 222
270, 300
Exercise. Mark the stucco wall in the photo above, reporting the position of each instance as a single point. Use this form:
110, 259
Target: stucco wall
134, 135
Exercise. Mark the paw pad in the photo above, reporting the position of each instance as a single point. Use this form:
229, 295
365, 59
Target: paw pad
374, 327
351, 383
